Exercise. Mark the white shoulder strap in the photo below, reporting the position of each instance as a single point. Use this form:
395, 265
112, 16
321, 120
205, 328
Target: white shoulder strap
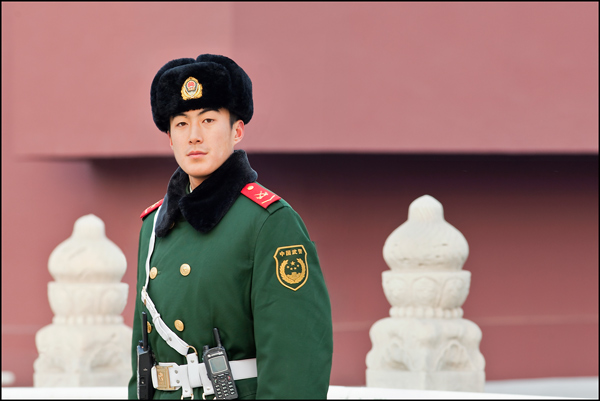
165, 332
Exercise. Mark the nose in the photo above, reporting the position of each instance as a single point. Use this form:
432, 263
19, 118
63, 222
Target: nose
196, 134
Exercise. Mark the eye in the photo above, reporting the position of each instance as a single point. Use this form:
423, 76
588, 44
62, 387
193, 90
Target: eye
209, 120
180, 124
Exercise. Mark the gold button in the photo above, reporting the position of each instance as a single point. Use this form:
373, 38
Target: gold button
149, 327
251, 187
179, 325
185, 269
153, 272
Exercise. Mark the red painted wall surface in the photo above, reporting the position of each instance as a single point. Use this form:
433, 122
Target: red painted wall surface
462, 78
338, 77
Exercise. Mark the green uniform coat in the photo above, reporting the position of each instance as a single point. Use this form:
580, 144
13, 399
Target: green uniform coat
255, 275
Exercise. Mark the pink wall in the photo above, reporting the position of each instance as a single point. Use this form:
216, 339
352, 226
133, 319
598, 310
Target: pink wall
358, 77
478, 78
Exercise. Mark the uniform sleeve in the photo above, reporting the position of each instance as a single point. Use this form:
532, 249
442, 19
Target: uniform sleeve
137, 333
292, 312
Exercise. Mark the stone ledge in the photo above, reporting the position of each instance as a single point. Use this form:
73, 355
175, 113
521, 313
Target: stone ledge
335, 393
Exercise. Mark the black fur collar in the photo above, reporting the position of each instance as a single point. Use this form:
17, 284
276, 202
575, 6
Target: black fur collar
204, 207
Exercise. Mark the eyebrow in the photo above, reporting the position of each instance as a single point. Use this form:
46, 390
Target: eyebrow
182, 114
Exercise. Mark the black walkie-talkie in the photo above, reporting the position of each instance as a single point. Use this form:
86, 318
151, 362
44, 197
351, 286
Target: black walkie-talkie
219, 371
145, 390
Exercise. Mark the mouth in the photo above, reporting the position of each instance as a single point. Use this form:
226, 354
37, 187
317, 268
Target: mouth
196, 154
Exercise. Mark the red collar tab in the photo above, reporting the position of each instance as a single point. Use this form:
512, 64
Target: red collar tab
150, 209
260, 194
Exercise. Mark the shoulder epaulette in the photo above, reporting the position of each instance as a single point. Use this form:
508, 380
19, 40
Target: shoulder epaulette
259, 194
150, 209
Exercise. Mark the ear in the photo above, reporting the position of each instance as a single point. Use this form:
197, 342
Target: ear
239, 131
170, 139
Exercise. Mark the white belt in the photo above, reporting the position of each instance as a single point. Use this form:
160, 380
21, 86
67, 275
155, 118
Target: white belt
169, 376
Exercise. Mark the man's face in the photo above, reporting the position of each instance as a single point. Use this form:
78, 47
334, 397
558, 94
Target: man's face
202, 140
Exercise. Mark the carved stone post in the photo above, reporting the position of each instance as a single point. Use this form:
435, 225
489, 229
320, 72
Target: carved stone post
87, 343
426, 344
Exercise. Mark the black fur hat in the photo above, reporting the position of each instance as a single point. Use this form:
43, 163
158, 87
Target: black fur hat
209, 81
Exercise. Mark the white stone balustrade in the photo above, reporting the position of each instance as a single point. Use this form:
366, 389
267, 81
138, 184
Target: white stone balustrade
425, 343
87, 343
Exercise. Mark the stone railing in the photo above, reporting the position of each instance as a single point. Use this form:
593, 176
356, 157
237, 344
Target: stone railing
87, 343
425, 343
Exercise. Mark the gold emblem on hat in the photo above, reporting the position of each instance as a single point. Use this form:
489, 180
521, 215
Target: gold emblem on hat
291, 266
191, 89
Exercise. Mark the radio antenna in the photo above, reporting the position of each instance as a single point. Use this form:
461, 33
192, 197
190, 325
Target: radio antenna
217, 337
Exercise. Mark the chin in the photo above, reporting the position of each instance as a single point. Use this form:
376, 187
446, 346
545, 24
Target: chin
196, 168
199, 174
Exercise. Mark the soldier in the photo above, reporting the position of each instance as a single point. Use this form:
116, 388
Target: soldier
222, 251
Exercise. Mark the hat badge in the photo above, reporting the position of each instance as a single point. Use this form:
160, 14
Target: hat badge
191, 89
